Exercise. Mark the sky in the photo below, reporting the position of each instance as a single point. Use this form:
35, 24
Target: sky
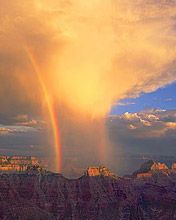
67, 66
163, 98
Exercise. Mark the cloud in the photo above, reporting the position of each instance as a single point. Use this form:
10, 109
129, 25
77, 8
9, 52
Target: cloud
16, 130
26, 120
24, 135
151, 124
168, 99
125, 103
5, 131
98, 52
26, 139
156, 126
23, 120
89, 54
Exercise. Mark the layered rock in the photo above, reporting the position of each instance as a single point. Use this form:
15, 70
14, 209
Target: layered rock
17, 163
174, 166
100, 197
151, 167
99, 171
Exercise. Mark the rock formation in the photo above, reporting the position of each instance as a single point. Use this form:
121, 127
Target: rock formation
174, 166
151, 167
93, 196
17, 163
98, 171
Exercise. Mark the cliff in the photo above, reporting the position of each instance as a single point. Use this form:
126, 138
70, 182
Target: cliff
17, 163
99, 171
37, 195
150, 168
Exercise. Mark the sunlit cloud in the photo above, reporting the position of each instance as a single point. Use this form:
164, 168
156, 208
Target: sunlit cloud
5, 131
13, 130
98, 52
89, 55
151, 124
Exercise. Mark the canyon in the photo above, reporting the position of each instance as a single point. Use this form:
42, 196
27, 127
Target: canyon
97, 195
18, 163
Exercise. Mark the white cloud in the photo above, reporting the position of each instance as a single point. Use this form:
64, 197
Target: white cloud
125, 103
168, 99
155, 123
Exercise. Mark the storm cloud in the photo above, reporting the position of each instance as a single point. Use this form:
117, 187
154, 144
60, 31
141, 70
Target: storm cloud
89, 54
151, 131
97, 51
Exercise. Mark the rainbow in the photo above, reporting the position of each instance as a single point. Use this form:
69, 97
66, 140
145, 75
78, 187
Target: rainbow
51, 110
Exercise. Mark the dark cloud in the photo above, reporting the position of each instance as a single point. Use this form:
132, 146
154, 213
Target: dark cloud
149, 131
24, 135
88, 55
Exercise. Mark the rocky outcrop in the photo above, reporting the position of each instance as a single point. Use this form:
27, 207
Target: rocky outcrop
144, 175
174, 166
48, 196
17, 163
35, 169
159, 166
151, 167
99, 171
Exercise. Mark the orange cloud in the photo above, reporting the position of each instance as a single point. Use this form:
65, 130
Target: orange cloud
90, 53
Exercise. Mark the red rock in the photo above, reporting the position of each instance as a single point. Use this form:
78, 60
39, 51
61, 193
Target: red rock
98, 171
48, 196
174, 166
